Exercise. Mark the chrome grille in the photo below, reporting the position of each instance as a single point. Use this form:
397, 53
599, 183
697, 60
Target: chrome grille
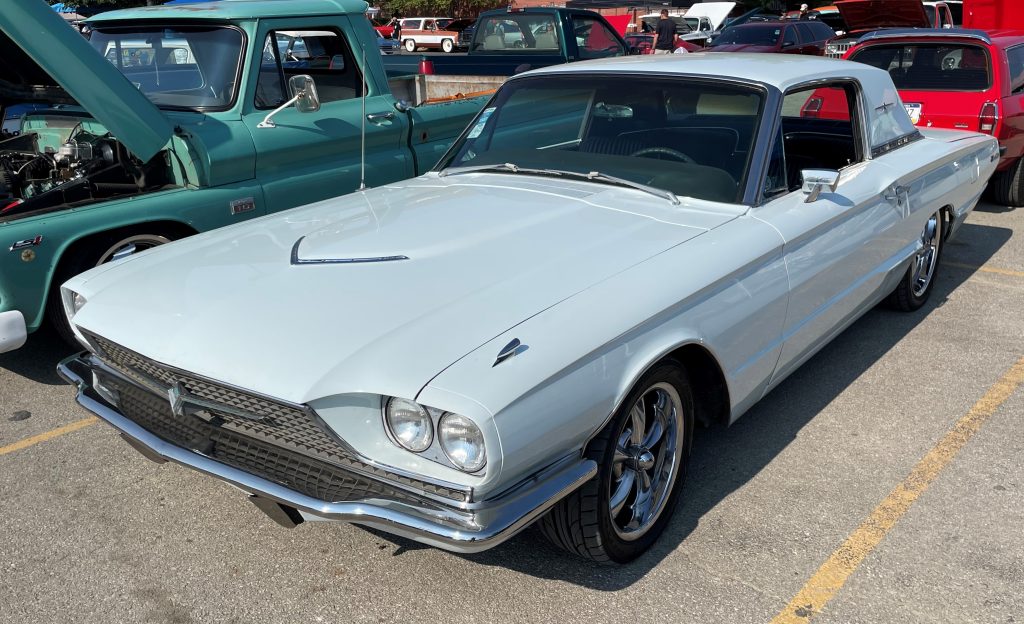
837, 49
288, 428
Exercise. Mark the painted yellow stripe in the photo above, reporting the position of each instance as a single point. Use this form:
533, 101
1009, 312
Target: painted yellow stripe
832, 575
49, 435
985, 269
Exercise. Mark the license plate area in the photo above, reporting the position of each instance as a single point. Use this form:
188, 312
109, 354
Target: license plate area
914, 110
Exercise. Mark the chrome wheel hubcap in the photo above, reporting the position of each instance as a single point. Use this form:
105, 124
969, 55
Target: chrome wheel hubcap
646, 462
131, 245
928, 256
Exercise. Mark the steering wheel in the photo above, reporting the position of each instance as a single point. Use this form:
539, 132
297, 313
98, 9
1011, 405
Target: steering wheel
664, 151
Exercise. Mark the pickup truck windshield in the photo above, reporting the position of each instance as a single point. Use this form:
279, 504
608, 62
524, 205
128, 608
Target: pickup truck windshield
177, 68
687, 136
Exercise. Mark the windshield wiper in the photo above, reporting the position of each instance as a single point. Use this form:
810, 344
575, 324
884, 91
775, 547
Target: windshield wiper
593, 175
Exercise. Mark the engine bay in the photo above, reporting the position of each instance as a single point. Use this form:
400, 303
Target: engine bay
85, 168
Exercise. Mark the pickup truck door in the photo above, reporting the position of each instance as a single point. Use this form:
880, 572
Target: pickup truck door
839, 248
308, 157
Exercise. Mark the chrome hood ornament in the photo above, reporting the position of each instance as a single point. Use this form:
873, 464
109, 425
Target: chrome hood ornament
510, 350
296, 260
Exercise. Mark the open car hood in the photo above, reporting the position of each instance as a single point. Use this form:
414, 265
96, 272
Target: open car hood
716, 12
863, 15
44, 60
459, 25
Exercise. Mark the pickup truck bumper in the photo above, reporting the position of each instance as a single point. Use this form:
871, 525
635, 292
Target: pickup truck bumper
12, 331
466, 527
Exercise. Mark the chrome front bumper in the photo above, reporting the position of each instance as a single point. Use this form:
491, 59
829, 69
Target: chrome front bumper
13, 332
466, 528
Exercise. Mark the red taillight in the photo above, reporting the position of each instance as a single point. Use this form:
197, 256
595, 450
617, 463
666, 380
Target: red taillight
989, 118
813, 107
426, 66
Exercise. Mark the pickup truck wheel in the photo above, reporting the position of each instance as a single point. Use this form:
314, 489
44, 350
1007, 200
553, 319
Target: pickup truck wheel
642, 456
410, 45
102, 250
1007, 186
447, 45
919, 281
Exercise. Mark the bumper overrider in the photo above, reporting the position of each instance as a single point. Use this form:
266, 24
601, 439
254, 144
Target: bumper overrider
284, 481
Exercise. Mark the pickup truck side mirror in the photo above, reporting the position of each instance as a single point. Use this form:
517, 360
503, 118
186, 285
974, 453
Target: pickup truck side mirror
303, 89
304, 97
817, 180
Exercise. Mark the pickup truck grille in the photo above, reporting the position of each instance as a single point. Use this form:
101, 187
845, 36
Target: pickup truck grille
281, 442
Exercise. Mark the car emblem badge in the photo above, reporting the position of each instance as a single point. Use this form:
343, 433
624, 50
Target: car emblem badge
176, 396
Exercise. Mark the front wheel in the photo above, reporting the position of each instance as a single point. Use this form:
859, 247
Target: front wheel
919, 281
448, 45
102, 250
642, 456
410, 45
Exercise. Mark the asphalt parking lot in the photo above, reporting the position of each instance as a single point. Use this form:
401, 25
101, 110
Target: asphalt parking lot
883, 482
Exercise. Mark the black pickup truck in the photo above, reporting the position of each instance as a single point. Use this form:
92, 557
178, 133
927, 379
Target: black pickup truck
506, 42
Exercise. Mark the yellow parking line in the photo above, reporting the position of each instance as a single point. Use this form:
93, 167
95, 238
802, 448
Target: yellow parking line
49, 435
986, 269
832, 575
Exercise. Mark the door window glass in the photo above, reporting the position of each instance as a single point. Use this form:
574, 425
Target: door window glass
594, 39
818, 132
520, 31
322, 54
789, 38
1015, 56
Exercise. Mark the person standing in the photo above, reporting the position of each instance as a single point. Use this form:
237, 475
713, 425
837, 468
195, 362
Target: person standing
665, 39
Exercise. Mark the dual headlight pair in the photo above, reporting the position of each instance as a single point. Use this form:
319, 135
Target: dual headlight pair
412, 427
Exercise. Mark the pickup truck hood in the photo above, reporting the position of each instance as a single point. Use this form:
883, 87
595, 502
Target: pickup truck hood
864, 15
261, 305
716, 12
45, 53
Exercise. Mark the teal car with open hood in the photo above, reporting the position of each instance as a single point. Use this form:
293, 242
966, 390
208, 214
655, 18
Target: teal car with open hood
174, 120
613, 251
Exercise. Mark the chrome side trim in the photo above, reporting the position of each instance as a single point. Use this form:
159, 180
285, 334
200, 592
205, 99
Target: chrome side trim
297, 261
487, 525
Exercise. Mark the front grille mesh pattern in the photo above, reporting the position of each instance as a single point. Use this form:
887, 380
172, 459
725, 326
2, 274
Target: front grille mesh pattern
287, 428
298, 472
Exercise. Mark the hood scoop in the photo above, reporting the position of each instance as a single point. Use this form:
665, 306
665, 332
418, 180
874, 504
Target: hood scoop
297, 260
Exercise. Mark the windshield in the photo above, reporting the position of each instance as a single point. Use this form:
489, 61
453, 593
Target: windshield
753, 35
176, 68
688, 136
931, 67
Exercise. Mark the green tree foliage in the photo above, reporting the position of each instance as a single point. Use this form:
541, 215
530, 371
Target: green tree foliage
112, 4
454, 8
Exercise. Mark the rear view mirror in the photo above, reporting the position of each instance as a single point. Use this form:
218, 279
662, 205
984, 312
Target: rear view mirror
817, 180
303, 89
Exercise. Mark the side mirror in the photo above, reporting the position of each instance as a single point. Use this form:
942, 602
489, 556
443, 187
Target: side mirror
304, 97
817, 180
303, 90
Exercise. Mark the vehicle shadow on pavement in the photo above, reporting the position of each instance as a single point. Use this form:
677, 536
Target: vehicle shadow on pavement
38, 359
724, 459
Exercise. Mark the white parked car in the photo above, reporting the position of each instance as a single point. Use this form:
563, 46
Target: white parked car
612, 252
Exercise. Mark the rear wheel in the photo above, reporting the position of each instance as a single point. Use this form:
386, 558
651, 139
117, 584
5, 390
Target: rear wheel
410, 45
447, 45
1007, 186
919, 281
101, 250
642, 456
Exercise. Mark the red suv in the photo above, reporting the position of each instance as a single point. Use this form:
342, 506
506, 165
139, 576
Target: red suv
960, 79
807, 37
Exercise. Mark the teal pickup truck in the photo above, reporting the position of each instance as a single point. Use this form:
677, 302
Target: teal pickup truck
171, 120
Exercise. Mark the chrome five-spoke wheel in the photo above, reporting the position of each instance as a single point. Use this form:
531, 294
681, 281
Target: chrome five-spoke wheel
913, 290
641, 456
645, 462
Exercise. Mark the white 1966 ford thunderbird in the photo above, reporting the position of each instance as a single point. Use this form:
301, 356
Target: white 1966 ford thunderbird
613, 251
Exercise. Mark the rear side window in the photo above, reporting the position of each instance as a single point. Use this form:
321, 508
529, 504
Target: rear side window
806, 34
1015, 56
931, 67
789, 37
594, 39
521, 32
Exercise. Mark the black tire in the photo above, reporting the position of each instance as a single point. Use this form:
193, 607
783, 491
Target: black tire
92, 253
1007, 187
582, 523
914, 289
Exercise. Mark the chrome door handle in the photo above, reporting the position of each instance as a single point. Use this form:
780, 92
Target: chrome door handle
380, 117
895, 194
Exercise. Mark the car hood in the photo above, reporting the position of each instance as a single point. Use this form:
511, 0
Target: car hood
448, 264
863, 15
741, 47
716, 12
41, 52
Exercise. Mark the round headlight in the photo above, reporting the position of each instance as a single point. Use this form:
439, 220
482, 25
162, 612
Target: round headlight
410, 424
462, 442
